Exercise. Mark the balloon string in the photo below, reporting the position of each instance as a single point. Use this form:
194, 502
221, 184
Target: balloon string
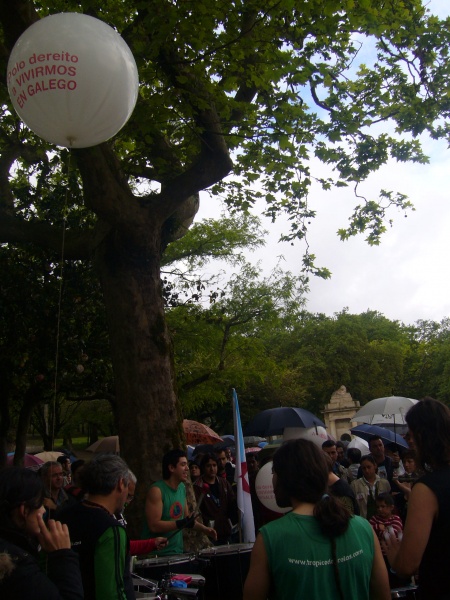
58, 321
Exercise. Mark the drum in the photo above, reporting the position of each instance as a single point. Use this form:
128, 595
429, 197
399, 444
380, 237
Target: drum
408, 591
156, 567
144, 588
225, 571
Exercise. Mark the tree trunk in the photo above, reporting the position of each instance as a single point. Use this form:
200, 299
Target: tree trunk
32, 397
146, 404
5, 423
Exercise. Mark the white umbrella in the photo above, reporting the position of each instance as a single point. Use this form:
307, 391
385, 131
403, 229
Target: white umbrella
49, 455
389, 410
359, 443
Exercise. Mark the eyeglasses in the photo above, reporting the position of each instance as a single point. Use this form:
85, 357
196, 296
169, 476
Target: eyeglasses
57, 474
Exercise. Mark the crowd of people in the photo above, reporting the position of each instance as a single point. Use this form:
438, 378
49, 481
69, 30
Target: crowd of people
359, 525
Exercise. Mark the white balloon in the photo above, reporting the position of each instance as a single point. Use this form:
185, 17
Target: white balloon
318, 435
73, 80
264, 489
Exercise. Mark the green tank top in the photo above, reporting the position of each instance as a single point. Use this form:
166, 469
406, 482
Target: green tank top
174, 502
300, 558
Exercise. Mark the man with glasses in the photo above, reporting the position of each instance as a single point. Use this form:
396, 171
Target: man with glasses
139, 547
97, 536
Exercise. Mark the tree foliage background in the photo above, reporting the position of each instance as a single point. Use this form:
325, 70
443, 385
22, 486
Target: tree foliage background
228, 88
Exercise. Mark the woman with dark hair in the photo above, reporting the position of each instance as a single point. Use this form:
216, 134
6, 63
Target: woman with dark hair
22, 529
425, 546
318, 550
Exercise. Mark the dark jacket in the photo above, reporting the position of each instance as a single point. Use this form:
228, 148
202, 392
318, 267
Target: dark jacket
221, 508
102, 545
22, 577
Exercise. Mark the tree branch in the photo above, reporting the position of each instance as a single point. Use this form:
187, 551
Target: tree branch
78, 245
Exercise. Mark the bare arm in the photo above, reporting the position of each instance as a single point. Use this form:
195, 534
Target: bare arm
379, 579
257, 584
405, 557
153, 512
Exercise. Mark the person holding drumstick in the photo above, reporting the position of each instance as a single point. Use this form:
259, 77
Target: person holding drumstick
425, 545
318, 550
166, 510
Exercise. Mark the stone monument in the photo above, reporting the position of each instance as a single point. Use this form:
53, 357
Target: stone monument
339, 412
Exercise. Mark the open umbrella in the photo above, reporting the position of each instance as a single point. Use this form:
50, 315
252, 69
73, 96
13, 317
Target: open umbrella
226, 443
273, 421
49, 455
198, 433
359, 443
366, 431
389, 410
30, 461
107, 445
253, 439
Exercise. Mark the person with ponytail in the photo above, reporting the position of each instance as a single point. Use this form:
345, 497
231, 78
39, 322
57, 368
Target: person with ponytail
318, 550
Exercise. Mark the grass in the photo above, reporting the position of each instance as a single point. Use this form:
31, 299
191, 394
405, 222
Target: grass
78, 443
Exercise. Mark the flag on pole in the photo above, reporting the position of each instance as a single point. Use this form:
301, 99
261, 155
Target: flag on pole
244, 500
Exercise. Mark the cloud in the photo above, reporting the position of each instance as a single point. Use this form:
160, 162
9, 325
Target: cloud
407, 277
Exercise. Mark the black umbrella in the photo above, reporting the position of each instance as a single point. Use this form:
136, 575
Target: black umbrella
366, 431
213, 448
274, 420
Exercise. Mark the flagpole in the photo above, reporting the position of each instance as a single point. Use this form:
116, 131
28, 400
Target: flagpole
244, 500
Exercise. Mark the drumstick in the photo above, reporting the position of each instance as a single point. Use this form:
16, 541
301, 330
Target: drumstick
205, 490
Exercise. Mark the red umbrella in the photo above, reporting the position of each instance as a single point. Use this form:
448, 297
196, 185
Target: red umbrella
198, 433
253, 449
29, 461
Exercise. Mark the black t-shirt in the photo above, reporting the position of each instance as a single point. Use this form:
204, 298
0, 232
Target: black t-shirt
434, 572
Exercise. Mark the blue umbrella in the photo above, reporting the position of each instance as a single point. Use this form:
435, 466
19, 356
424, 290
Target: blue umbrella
365, 432
274, 420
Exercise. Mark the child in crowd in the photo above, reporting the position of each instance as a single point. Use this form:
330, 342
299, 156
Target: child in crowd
354, 458
384, 517
392, 450
410, 476
409, 464
384, 522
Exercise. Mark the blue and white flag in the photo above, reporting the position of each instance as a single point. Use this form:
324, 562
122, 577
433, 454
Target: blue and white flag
244, 499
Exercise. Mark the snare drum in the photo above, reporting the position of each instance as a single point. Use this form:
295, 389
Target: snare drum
156, 567
226, 571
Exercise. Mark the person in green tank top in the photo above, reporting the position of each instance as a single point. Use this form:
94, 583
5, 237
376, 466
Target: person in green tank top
318, 550
166, 510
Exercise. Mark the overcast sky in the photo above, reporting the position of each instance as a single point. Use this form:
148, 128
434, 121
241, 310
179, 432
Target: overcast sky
407, 277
